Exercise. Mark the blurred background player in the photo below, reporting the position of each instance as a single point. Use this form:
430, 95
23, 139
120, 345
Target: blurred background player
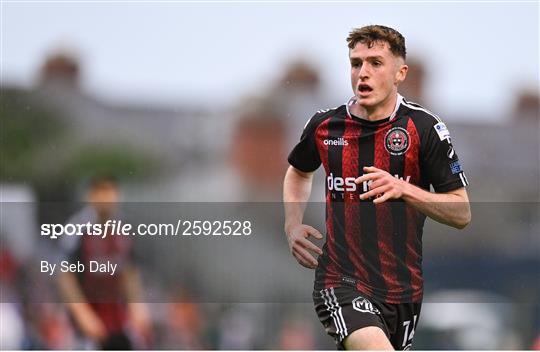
107, 309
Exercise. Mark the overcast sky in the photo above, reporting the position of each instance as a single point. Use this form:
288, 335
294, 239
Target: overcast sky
477, 54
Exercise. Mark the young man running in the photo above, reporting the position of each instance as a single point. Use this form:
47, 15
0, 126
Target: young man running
381, 154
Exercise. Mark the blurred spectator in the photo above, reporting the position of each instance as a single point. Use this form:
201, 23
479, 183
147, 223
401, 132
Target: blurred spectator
107, 308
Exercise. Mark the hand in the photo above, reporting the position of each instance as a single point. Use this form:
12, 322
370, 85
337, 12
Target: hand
383, 186
300, 245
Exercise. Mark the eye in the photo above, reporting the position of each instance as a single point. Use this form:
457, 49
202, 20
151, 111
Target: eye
377, 63
356, 64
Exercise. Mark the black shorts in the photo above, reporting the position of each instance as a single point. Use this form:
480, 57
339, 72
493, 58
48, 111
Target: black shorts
343, 310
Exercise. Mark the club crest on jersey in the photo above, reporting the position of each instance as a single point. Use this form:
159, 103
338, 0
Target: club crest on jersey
362, 304
396, 141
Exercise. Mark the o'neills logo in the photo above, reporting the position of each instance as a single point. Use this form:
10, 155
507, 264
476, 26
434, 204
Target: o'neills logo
339, 141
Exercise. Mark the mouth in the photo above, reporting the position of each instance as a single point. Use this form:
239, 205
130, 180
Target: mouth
364, 89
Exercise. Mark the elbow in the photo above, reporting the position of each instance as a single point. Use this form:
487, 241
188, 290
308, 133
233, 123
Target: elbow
461, 224
463, 220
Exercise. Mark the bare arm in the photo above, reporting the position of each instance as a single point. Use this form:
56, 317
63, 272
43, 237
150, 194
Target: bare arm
296, 192
450, 208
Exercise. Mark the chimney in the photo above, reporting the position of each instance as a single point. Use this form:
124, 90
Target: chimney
60, 69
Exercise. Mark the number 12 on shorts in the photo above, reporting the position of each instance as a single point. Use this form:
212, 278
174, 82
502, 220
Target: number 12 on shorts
409, 336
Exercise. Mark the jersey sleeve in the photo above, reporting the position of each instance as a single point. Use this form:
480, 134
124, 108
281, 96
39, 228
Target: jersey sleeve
305, 156
440, 160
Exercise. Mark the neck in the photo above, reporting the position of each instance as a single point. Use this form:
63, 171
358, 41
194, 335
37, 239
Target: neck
378, 112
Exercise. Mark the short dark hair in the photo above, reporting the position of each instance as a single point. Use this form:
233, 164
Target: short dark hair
369, 35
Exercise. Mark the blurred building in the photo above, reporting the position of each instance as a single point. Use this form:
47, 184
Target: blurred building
215, 154
413, 88
167, 135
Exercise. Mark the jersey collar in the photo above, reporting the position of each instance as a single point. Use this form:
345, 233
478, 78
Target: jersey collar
352, 101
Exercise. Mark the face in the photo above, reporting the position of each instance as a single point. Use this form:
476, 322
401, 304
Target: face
104, 198
375, 74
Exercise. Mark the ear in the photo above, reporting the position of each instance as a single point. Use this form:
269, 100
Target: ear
401, 73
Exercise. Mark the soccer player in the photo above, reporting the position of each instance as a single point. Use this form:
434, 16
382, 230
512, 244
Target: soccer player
106, 308
381, 153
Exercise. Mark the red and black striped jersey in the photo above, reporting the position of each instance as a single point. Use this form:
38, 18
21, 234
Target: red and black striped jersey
376, 248
104, 292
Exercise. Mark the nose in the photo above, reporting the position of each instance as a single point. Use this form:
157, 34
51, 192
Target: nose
363, 72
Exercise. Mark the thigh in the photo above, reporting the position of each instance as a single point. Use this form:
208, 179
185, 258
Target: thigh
344, 310
368, 338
